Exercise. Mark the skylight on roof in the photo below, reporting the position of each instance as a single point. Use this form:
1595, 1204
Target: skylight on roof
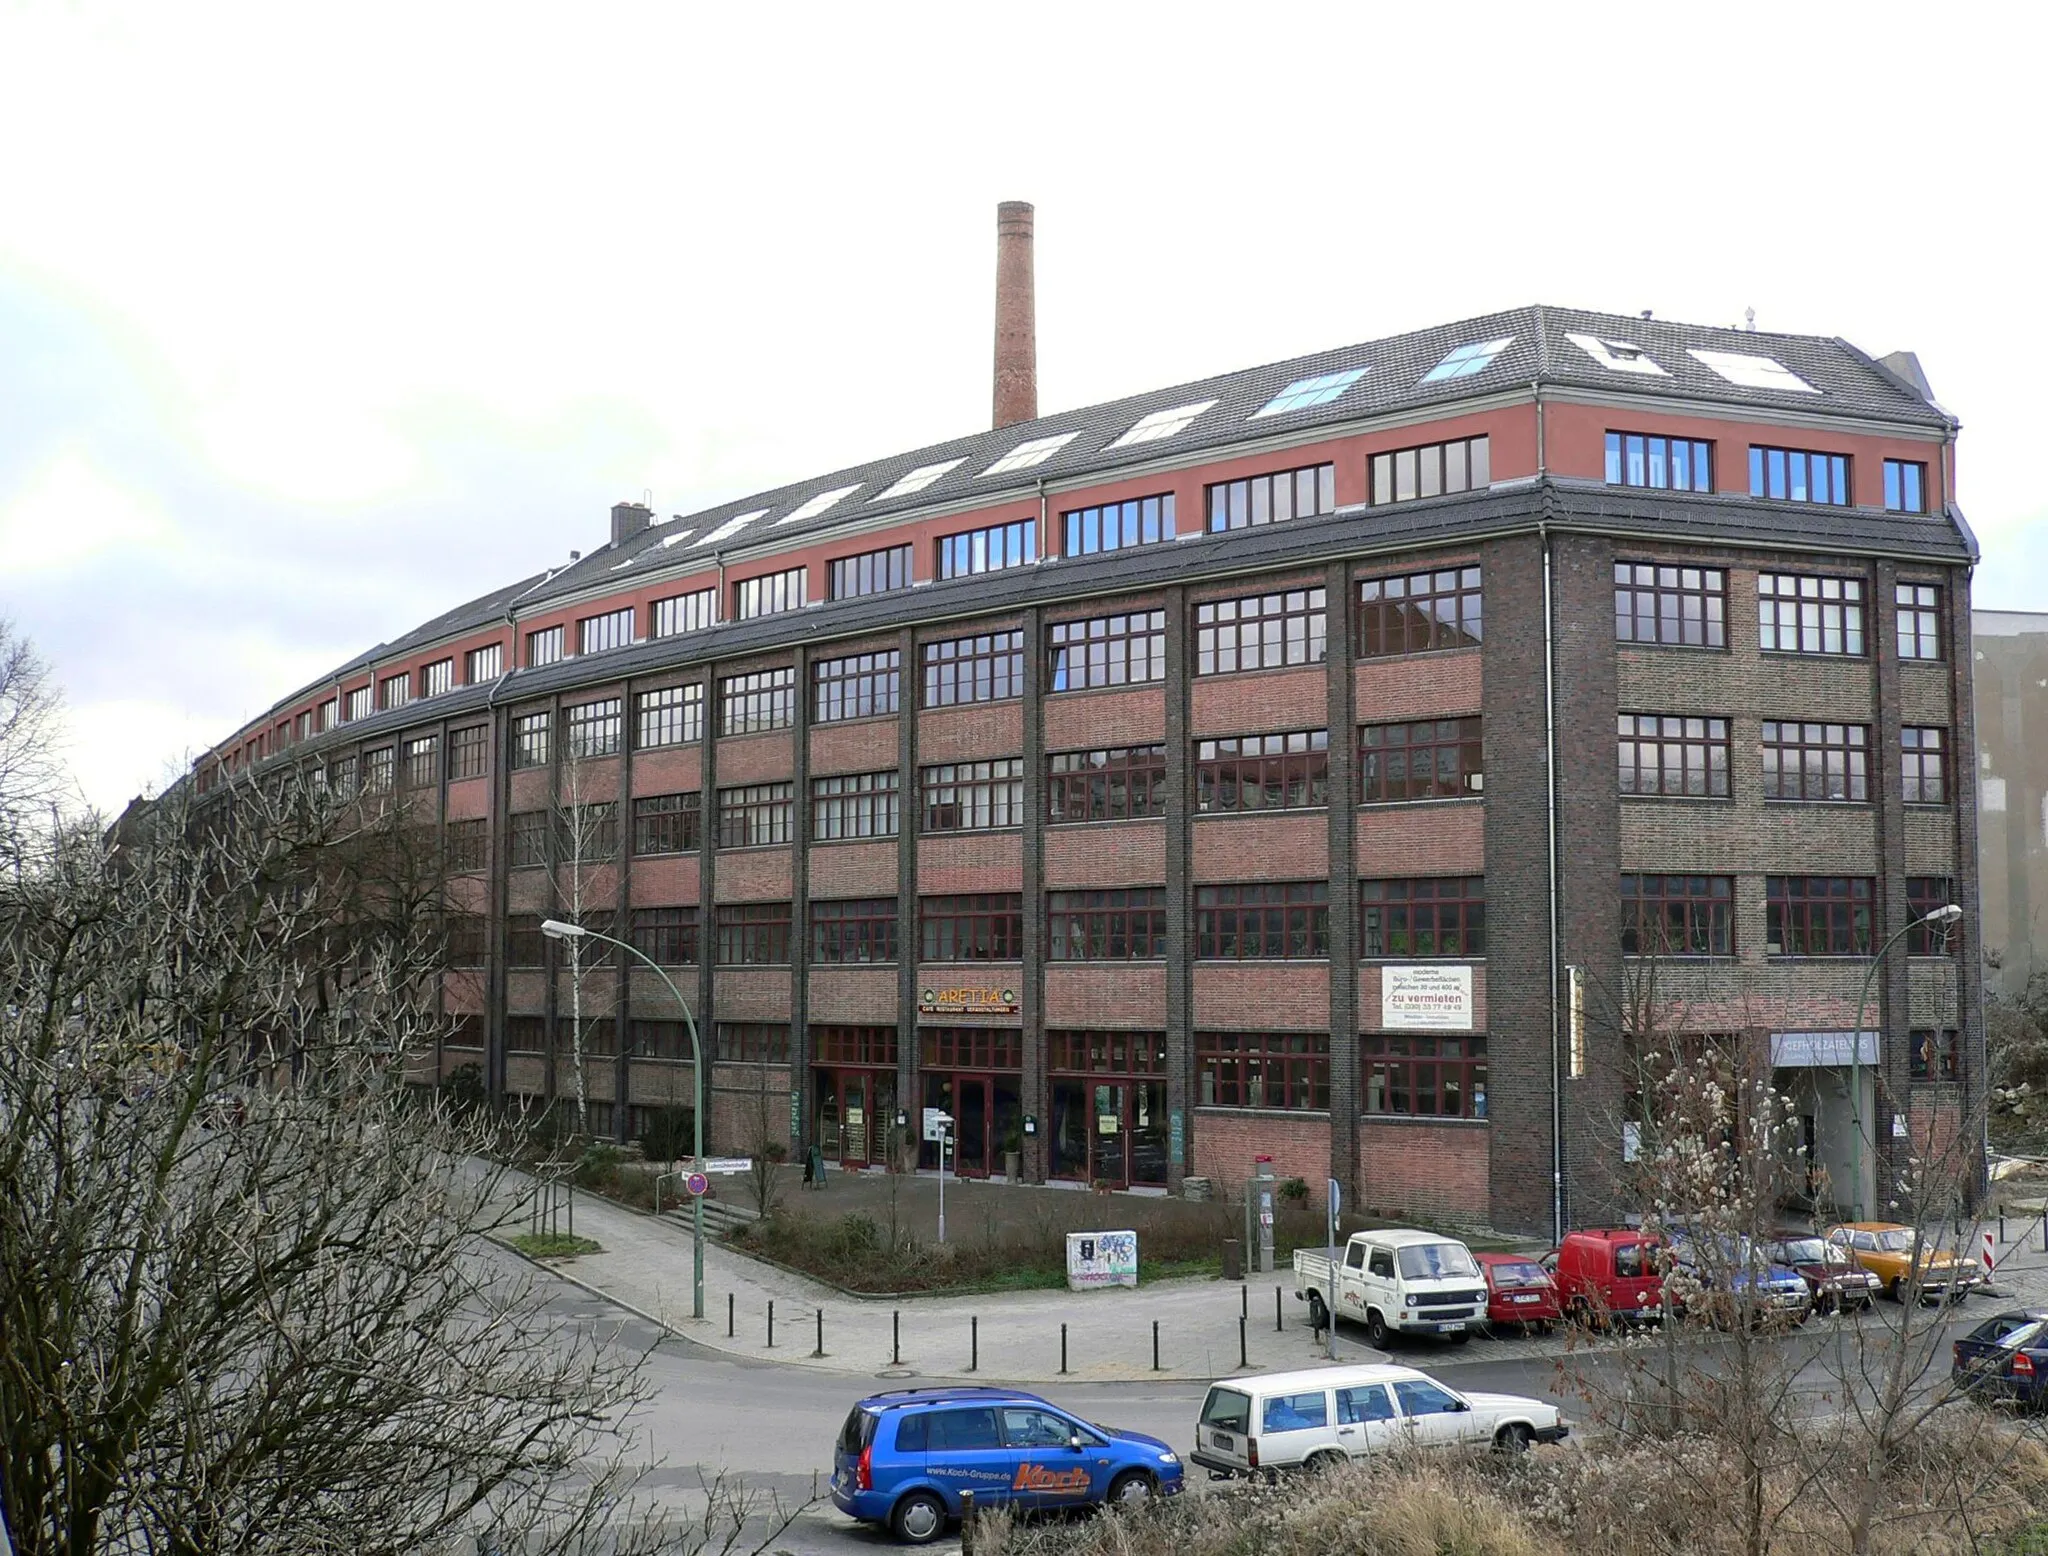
677, 540
1752, 372
1035, 452
730, 527
916, 480
1161, 424
1306, 392
818, 504
1464, 361
1622, 356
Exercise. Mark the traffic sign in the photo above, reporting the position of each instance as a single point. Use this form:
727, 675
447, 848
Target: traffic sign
728, 1164
697, 1183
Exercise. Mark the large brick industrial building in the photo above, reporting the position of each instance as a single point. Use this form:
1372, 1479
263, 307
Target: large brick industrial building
1249, 767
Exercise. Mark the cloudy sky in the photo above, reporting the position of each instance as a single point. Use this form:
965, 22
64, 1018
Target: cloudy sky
315, 321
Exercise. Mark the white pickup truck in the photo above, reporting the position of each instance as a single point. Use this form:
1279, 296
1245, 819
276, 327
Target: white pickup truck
1394, 1282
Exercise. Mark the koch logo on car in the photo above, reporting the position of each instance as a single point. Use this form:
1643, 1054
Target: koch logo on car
1036, 1477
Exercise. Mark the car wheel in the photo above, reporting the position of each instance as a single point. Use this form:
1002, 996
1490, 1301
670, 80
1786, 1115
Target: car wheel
1898, 1289
1461, 1337
1133, 1488
1514, 1438
919, 1518
1324, 1462
1376, 1330
1318, 1315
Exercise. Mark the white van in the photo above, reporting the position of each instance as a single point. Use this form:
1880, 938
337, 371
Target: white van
1290, 1420
1394, 1281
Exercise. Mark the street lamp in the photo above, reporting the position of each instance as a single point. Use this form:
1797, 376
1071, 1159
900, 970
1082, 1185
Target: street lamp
1942, 915
557, 929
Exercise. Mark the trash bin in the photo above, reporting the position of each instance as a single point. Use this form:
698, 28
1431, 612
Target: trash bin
1233, 1258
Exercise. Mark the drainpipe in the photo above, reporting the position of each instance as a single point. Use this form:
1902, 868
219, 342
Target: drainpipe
1044, 535
1550, 810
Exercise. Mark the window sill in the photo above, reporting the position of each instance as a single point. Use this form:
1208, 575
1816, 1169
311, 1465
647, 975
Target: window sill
667, 745
1801, 653
1102, 821
1458, 959
1420, 653
1864, 805
1261, 1112
859, 718
1220, 675
1682, 799
1674, 648
1704, 958
671, 853
1104, 961
1158, 681
1446, 799
1407, 1119
817, 962
838, 842
925, 832
749, 734
1270, 810
1776, 958
1262, 961
751, 966
952, 707
1928, 805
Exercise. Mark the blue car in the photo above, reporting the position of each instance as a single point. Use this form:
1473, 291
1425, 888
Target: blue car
903, 1458
2005, 1357
1730, 1278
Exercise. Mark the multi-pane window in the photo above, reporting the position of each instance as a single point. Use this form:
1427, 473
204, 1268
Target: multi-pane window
985, 668
483, 664
526, 1034
614, 629
1801, 614
970, 1048
1117, 526
872, 1047
469, 751
1462, 465
973, 796
754, 815
377, 770
760, 700
1288, 1070
527, 839
668, 823
750, 1042
1416, 613
1678, 915
422, 761
853, 805
1268, 499
545, 647
672, 716
1676, 755
1815, 761
589, 832
592, 728
665, 935
1261, 632
1432, 916
684, 612
771, 594
1263, 772
1933, 1054
468, 844
860, 929
858, 686
655, 1040
989, 549
1818, 915
1905, 486
753, 934
1263, 919
1681, 607
341, 775
1113, 784
872, 572
1429, 759
1799, 475
330, 713
395, 691
1105, 1053
360, 703
467, 942
437, 678
1919, 607
1924, 895
1668, 464
979, 927
1120, 650
1127, 924
1923, 762
1424, 1076
525, 945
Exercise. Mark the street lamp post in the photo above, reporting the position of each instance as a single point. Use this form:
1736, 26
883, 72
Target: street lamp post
556, 929
1942, 915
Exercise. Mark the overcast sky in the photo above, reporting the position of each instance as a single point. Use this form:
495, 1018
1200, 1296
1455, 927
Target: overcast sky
315, 321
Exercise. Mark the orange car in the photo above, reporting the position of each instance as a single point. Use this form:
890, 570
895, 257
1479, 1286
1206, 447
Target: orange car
1886, 1249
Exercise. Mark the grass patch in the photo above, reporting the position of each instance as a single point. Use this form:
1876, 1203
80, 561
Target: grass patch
553, 1245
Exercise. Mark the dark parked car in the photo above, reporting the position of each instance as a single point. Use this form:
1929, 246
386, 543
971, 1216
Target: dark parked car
1836, 1280
2005, 1357
1518, 1291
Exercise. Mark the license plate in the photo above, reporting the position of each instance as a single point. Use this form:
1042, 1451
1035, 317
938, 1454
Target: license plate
1222, 1440
1450, 1328
1527, 1296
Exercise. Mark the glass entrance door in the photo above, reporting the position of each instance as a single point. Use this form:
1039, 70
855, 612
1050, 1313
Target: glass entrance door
853, 1112
1106, 1130
971, 1126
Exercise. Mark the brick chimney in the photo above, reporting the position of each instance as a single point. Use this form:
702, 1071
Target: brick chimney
628, 520
1016, 317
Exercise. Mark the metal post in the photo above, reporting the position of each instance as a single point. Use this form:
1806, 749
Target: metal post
896, 1338
944, 1130
1155, 1345
1242, 1359
973, 1343
572, 1209
1063, 1349
820, 1351
771, 1323
1279, 1313
1244, 1300
731, 1312
1941, 915
967, 1542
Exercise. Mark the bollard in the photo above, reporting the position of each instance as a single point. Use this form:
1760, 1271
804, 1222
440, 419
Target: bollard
1155, 1345
2001, 1222
973, 1343
820, 1351
771, 1323
896, 1338
1063, 1349
1279, 1313
966, 1523
731, 1315
1244, 1300
1242, 1359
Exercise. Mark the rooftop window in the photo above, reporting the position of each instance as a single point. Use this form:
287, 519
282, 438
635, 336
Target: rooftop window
1305, 393
730, 527
1752, 372
1468, 360
819, 504
1162, 424
1620, 355
1035, 452
915, 481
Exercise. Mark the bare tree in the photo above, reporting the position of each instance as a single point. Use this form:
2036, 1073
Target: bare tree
247, 1300
583, 848
31, 766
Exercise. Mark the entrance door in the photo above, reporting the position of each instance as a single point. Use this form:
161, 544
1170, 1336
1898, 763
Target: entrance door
973, 1114
1107, 1131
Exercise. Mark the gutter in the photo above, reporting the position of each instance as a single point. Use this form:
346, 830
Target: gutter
1550, 818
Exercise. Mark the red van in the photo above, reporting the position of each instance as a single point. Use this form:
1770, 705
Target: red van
1608, 1271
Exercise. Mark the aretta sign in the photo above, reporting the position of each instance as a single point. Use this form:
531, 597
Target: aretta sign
1426, 999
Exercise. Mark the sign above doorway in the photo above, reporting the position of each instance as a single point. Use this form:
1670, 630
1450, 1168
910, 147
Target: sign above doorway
966, 1001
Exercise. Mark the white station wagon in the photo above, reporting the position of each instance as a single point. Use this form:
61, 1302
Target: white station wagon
1289, 1420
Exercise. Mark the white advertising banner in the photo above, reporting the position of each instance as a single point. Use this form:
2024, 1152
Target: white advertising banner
1099, 1259
1426, 998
